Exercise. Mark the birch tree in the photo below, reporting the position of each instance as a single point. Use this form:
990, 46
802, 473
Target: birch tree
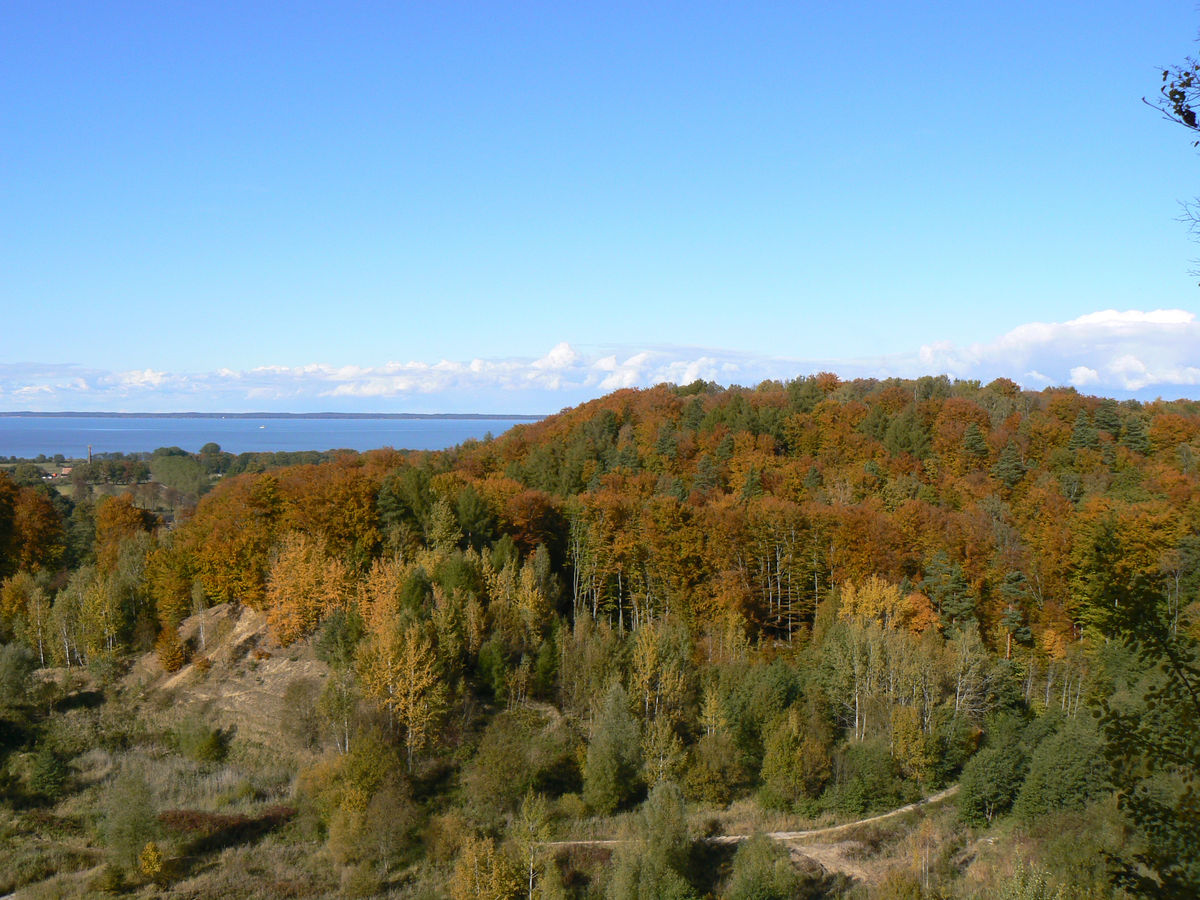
400, 671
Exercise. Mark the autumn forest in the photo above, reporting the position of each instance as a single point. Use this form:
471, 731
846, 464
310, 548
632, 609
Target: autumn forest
621, 652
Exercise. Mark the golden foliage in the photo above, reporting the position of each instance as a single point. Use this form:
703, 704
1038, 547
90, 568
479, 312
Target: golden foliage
484, 872
305, 585
171, 652
170, 584
116, 519
400, 671
37, 531
150, 860
378, 593
880, 601
875, 600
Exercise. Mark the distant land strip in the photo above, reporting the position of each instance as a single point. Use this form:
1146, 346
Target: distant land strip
27, 414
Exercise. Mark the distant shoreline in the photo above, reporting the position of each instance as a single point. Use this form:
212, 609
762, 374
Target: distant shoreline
26, 414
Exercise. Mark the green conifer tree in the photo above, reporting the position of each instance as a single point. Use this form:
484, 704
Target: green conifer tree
1009, 469
613, 754
1135, 436
1084, 435
974, 443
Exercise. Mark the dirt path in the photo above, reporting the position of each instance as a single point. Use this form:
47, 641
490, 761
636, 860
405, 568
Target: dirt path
832, 857
832, 829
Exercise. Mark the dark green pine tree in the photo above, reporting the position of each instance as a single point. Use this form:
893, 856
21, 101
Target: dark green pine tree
907, 434
1014, 591
813, 479
1009, 469
1135, 436
753, 486
667, 446
613, 754
1066, 771
1084, 435
974, 443
1107, 417
947, 587
990, 782
678, 489
707, 477
804, 394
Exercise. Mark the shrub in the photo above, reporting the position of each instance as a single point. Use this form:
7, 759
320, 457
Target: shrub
652, 865
299, 720
797, 761
642, 876
48, 773
990, 782
755, 699
1028, 883
360, 881
150, 861
484, 871
201, 742
376, 829
16, 666
1067, 771
170, 649
762, 870
953, 742
109, 880
715, 772
500, 772
866, 778
519, 750
129, 821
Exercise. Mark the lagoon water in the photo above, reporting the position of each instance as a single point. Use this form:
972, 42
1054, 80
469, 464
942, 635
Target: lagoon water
29, 436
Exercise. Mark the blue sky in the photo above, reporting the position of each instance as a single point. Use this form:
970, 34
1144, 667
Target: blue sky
514, 207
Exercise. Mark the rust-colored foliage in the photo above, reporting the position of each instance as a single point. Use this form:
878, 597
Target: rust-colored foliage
305, 584
170, 649
739, 509
117, 518
230, 537
37, 531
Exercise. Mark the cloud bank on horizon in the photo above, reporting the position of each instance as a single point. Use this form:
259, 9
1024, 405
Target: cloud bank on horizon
1118, 353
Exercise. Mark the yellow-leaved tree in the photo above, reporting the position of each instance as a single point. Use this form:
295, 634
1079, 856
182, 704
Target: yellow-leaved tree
305, 585
484, 872
399, 670
873, 599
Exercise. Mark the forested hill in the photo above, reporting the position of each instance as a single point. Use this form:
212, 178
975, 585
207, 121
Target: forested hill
1001, 507
818, 598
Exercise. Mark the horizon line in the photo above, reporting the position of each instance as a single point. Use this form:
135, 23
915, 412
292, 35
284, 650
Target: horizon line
80, 414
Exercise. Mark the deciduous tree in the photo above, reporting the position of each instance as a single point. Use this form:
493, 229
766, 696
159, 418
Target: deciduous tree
400, 671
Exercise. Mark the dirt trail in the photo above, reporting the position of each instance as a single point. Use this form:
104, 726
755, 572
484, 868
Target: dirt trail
832, 857
821, 832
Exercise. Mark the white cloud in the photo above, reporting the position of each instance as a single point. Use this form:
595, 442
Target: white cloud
622, 375
1110, 352
33, 391
1115, 351
1081, 376
561, 357
146, 378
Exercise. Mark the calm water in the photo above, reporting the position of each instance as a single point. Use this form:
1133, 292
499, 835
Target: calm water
29, 436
